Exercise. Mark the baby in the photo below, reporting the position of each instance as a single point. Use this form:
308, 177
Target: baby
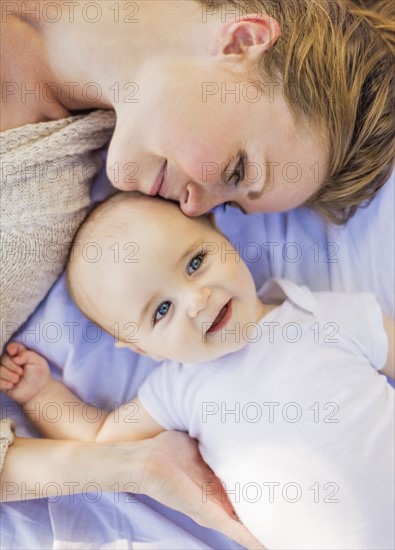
286, 401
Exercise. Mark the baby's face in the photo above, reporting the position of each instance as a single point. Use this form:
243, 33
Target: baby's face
179, 290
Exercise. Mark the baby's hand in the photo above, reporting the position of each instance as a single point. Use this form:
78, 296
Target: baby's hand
23, 373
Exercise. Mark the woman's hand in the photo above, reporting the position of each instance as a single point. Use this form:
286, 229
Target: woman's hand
175, 474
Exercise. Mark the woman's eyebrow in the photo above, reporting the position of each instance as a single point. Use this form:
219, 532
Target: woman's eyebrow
255, 195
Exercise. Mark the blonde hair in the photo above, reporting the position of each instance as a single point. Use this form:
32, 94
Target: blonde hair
336, 61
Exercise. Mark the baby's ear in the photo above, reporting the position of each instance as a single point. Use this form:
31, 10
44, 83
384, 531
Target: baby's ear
129, 345
119, 344
137, 349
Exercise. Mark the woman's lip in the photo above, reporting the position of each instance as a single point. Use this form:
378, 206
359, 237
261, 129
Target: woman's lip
159, 180
163, 187
227, 315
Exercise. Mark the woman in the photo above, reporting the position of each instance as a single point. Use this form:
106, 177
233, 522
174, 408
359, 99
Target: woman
268, 107
212, 106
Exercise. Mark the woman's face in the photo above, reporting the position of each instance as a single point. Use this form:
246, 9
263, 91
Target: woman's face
203, 137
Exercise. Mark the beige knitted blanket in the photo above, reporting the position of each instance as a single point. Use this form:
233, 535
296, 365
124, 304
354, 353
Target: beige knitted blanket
46, 170
6, 438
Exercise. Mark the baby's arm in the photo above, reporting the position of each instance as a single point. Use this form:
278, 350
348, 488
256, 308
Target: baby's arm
26, 378
389, 367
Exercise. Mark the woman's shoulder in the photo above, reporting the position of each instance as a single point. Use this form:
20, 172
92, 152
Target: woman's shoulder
75, 134
23, 76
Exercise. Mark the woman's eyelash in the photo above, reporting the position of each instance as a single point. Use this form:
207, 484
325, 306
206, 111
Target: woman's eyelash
226, 205
239, 172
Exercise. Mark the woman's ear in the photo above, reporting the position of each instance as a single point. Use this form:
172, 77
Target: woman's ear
250, 36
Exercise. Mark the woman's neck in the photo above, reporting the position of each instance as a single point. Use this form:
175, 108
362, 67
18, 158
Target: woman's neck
94, 49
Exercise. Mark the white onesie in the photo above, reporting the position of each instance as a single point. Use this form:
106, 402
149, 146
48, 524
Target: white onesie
297, 424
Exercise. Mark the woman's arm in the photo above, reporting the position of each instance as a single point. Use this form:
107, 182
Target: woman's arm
168, 468
389, 367
65, 467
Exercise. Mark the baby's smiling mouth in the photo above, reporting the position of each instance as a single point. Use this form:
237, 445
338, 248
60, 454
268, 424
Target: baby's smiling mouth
222, 318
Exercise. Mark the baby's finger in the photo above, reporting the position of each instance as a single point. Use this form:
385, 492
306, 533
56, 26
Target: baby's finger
4, 385
15, 348
22, 357
9, 376
10, 364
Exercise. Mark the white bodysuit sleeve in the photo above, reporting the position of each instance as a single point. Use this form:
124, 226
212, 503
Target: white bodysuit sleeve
360, 320
161, 395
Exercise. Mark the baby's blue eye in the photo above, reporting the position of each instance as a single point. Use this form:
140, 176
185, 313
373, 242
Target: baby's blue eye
162, 311
195, 263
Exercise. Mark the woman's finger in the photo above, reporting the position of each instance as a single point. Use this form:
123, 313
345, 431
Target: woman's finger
236, 531
177, 476
211, 515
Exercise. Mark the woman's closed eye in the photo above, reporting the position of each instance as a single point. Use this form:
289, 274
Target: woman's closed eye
239, 172
231, 204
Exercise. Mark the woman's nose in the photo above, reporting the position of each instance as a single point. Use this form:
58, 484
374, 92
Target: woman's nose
197, 300
197, 201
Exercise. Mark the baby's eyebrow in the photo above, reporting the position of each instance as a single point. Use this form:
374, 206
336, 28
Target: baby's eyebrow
189, 251
147, 306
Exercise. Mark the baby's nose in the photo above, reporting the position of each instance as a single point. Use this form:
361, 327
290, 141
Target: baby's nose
197, 301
